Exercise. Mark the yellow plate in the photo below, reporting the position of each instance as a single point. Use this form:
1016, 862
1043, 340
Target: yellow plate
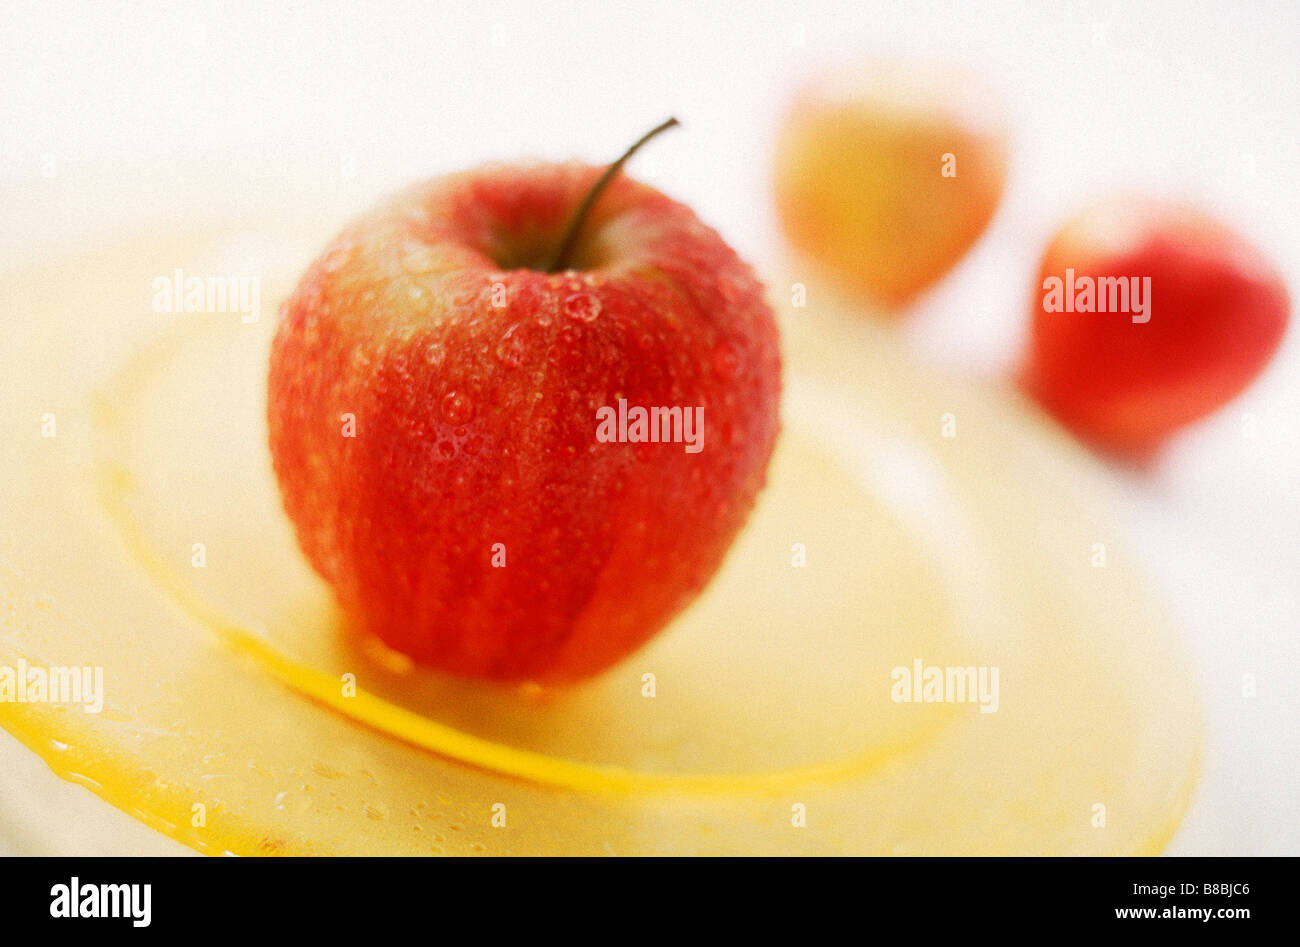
145, 537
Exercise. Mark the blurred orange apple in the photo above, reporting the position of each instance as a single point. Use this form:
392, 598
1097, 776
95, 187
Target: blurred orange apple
888, 174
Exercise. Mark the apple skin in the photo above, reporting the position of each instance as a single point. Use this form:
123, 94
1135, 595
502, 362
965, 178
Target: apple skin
858, 175
475, 422
1218, 311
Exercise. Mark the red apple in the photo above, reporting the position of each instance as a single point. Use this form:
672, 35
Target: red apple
475, 521
1204, 317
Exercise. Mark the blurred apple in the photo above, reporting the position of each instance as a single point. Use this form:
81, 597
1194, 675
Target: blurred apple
888, 174
1148, 315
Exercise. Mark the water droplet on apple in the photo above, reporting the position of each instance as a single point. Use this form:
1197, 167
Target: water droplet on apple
447, 449
457, 408
511, 348
416, 258
461, 297
418, 297
729, 288
337, 257
583, 307
726, 361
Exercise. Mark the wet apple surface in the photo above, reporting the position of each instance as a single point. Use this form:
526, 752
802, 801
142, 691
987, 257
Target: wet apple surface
433, 402
238, 718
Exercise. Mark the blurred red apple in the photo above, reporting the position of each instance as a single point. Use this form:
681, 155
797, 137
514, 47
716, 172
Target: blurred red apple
1149, 315
888, 174
475, 521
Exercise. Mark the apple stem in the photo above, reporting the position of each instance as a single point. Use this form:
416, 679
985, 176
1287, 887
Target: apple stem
561, 260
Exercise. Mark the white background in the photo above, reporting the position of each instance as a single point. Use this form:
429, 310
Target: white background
1192, 100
